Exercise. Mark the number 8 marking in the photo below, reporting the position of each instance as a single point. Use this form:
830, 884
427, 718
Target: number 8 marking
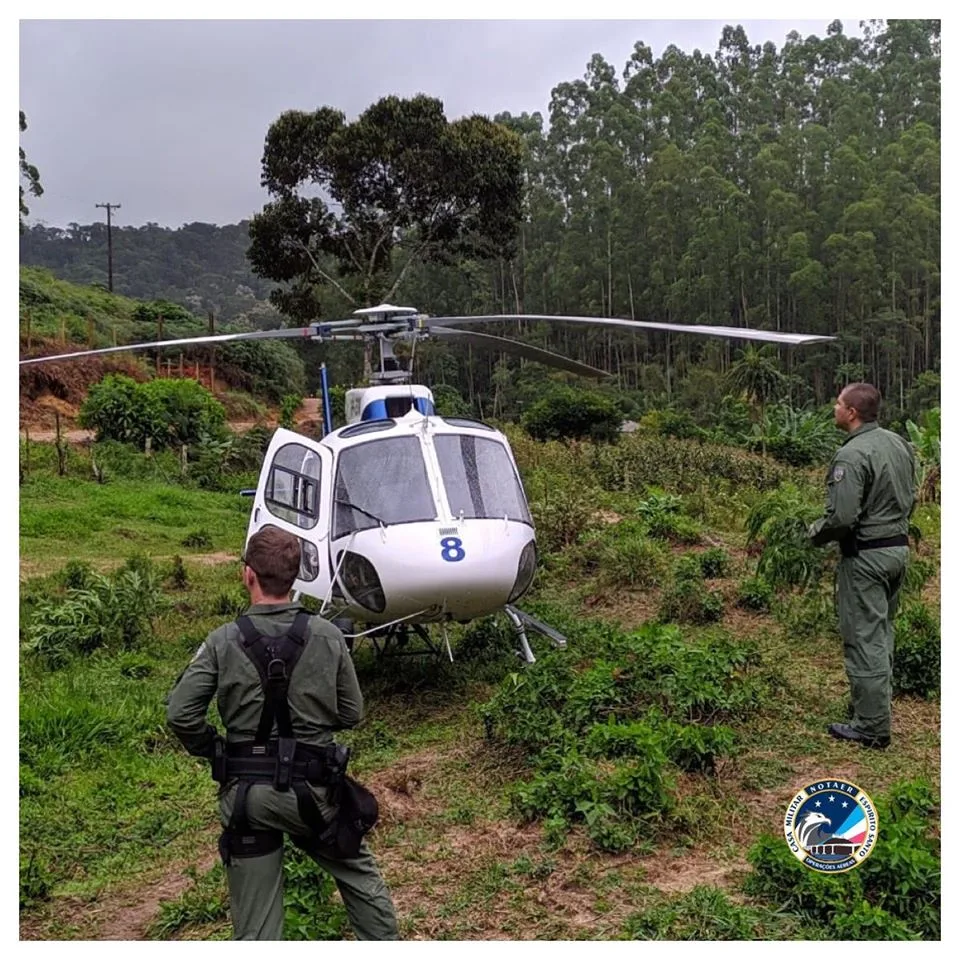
452, 549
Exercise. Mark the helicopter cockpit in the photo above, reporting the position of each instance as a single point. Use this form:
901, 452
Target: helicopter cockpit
413, 517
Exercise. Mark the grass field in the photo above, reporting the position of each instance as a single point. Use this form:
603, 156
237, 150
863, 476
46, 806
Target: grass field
483, 833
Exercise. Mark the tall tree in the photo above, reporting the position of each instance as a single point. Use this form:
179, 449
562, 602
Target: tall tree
28, 173
398, 187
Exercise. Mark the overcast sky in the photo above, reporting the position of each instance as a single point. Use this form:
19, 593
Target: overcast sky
168, 117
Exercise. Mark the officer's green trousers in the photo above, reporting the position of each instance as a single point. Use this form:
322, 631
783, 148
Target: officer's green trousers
867, 589
256, 883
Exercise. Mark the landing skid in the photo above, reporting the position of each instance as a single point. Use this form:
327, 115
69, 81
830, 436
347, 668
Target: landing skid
400, 639
394, 641
521, 620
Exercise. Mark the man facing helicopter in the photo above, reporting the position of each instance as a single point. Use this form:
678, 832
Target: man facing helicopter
284, 682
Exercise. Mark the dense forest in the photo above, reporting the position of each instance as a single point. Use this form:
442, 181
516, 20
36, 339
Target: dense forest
795, 189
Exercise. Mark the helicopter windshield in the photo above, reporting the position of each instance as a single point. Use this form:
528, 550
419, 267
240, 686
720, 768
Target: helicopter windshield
381, 480
479, 478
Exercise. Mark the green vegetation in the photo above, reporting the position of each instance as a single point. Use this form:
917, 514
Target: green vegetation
895, 895
569, 414
642, 739
169, 413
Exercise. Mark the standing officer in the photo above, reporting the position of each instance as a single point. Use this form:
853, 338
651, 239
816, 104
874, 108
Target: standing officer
870, 496
284, 682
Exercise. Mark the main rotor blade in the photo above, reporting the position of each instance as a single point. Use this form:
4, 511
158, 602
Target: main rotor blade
487, 342
733, 333
282, 332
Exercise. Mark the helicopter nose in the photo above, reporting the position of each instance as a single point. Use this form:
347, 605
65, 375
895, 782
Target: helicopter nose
464, 574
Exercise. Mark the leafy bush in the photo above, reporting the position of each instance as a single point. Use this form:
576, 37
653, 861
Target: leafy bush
607, 736
670, 423
561, 515
289, 405
449, 402
615, 801
178, 574
714, 563
662, 516
200, 539
168, 412
623, 555
798, 437
569, 414
919, 571
916, 655
755, 593
778, 524
689, 600
267, 368
107, 611
925, 439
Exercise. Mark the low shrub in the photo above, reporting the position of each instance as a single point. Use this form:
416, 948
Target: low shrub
311, 910
607, 736
714, 563
755, 593
690, 601
168, 412
916, 655
112, 611
623, 555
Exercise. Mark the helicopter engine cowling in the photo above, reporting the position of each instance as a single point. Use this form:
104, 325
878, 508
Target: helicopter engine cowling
428, 572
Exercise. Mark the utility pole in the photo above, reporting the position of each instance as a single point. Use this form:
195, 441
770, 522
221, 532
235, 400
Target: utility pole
108, 207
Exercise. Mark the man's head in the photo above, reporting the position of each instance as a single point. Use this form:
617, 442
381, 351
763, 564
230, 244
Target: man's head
857, 404
271, 563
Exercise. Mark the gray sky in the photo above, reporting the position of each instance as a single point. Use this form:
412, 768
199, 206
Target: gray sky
168, 117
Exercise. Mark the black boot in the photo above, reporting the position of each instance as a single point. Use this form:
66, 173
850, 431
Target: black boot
843, 731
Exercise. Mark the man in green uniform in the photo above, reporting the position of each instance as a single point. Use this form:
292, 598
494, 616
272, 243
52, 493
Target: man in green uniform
870, 496
320, 695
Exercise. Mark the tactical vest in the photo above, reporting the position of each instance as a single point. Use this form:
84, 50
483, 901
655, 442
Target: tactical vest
286, 763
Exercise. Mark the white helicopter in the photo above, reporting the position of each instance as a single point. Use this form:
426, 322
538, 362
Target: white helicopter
407, 518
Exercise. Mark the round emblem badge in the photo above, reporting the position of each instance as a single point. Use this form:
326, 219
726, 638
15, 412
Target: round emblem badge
831, 826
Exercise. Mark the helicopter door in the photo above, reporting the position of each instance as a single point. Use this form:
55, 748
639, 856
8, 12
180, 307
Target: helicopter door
293, 493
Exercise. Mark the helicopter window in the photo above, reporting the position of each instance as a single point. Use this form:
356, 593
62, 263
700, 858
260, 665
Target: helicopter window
381, 481
370, 426
479, 478
466, 422
293, 486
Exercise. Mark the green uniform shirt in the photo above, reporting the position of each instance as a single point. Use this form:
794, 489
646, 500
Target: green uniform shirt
870, 488
323, 694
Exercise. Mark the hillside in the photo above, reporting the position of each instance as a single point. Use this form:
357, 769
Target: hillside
57, 316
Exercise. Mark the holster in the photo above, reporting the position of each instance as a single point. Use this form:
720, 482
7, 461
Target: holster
848, 545
218, 760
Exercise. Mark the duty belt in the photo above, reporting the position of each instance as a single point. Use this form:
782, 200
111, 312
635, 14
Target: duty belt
901, 540
281, 762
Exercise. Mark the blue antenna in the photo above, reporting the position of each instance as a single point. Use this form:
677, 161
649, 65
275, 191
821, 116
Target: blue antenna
325, 391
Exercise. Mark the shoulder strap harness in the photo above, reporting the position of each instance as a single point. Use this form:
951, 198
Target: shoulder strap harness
275, 659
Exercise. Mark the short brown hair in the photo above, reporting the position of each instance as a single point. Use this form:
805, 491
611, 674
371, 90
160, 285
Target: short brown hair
864, 398
274, 556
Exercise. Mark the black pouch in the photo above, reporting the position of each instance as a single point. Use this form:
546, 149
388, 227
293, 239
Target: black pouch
357, 816
848, 546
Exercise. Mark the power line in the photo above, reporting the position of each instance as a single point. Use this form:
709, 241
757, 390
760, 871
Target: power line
108, 207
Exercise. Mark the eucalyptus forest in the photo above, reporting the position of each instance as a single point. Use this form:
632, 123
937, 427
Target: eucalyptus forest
794, 189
